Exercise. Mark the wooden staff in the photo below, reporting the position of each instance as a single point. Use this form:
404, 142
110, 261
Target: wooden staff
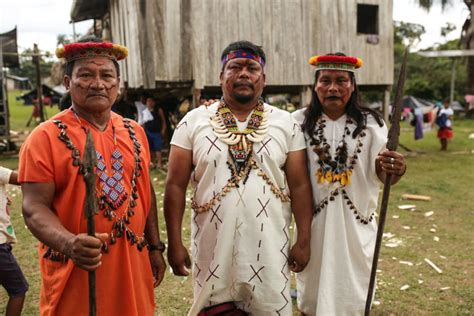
392, 144
90, 209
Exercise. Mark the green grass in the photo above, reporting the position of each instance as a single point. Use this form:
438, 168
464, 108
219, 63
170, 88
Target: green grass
20, 114
446, 177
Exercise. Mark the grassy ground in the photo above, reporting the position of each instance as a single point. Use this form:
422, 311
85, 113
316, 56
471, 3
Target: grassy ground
446, 177
20, 114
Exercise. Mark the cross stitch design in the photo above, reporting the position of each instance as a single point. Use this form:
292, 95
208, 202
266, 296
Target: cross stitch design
111, 187
283, 269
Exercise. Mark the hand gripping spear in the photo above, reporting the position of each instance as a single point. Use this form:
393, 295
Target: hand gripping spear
392, 145
88, 164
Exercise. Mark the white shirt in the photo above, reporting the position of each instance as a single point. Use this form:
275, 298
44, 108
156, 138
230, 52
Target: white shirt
7, 234
240, 246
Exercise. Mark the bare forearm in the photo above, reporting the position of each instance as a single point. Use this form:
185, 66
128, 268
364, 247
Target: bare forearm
301, 194
174, 205
152, 232
302, 211
14, 178
46, 227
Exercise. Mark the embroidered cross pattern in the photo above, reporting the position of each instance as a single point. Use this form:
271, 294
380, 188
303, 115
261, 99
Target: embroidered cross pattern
213, 144
264, 207
213, 273
214, 214
256, 273
264, 146
282, 271
110, 186
241, 199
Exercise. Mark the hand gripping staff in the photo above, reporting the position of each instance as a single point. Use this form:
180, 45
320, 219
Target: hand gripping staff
90, 206
392, 144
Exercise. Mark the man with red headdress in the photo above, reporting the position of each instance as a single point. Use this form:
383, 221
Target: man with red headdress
347, 162
52, 176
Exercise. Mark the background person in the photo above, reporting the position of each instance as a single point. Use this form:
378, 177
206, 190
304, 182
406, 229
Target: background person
11, 276
155, 129
444, 121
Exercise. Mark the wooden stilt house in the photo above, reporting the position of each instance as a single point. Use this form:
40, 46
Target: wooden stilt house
176, 44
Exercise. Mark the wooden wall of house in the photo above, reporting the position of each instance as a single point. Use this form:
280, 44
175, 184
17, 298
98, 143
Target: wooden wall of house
125, 30
182, 40
154, 32
338, 25
280, 26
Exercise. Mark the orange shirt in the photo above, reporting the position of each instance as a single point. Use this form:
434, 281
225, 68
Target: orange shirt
124, 281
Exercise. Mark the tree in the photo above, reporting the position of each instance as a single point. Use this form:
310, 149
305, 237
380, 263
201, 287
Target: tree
27, 68
429, 78
62, 39
467, 35
410, 33
448, 28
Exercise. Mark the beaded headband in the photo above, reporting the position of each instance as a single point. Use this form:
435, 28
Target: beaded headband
332, 62
76, 51
243, 54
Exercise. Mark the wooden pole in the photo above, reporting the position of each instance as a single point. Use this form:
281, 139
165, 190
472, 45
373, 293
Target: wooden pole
392, 144
453, 80
90, 210
39, 88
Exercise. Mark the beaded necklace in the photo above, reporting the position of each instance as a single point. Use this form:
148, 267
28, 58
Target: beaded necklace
111, 194
240, 142
225, 128
337, 169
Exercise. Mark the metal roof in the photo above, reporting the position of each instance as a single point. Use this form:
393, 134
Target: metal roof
82, 10
447, 53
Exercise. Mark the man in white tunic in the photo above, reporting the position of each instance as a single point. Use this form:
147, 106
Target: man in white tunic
347, 160
244, 158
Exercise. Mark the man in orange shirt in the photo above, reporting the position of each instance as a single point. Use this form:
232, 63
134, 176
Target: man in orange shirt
51, 174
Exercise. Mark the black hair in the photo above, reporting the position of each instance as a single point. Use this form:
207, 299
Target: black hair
69, 66
353, 109
244, 45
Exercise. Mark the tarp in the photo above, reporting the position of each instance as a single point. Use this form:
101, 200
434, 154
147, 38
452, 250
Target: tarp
413, 103
9, 49
53, 94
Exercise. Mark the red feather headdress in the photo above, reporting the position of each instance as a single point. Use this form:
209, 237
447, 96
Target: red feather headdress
76, 51
333, 62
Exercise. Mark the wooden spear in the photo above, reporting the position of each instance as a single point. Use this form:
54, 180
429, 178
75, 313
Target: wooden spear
90, 209
392, 144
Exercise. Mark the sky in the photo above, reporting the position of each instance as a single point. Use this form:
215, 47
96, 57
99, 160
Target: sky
40, 21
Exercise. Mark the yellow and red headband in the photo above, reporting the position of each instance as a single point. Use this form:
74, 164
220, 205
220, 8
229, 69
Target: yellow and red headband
334, 62
76, 51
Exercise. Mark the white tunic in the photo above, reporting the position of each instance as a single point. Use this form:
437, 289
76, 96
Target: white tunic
240, 246
7, 234
336, 280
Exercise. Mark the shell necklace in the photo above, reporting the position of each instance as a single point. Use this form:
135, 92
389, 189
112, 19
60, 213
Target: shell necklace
240, 143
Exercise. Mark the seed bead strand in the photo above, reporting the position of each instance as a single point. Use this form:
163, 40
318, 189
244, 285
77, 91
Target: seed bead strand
121, 223
233, 182
332, 196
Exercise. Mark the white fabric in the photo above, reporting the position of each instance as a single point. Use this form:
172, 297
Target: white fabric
146, 116
7, 234
140, 107
336, 280
449, 112
240, 247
